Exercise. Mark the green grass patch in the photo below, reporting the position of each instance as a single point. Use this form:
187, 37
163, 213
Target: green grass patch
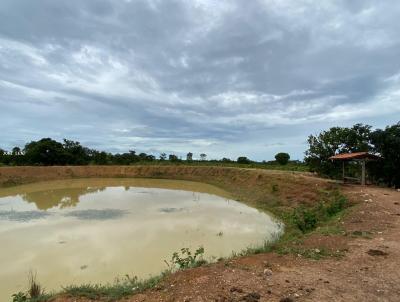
111, 292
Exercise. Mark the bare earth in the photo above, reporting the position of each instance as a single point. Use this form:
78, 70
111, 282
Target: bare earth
368, 271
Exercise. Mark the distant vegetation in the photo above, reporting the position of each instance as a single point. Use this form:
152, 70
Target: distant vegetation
48, 152
359, 137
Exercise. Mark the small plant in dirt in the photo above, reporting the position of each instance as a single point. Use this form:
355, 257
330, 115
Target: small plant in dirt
305, 219
19, 297
185, 258
338, 204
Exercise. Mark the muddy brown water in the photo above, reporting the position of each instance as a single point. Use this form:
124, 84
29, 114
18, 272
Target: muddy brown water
96, 230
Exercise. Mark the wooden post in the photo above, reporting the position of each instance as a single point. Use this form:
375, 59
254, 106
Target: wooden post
343, 170
363, 172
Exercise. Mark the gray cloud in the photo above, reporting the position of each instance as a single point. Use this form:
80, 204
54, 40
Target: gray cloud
220, 77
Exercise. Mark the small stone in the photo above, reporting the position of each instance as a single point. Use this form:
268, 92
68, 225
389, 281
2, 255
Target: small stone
317, 251
372, 252
252, 297
286, 299
236, 289
267, 272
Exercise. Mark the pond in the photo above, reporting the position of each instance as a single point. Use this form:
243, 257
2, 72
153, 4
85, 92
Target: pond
94, 230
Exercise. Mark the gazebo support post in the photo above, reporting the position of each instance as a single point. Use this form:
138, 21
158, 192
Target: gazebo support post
363, 172
343, 171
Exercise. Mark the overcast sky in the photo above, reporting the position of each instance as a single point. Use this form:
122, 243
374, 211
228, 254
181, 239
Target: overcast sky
227, 78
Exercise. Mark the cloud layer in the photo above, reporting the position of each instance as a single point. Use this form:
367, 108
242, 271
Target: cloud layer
227, 78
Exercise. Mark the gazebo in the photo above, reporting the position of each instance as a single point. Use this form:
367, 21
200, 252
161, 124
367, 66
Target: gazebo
362, 157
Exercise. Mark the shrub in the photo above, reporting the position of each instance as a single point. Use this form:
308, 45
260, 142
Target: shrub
243, 160
185, 259
282, 158
337, 205
305, 219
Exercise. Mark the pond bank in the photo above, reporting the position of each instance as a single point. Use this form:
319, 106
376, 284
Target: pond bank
274, 191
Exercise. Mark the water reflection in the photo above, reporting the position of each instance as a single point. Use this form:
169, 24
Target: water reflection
22, 216
60, 198
93, 214
92, 230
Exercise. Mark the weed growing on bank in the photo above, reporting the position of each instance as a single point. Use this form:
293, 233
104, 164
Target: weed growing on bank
307, 219
185, 259
35, 292
120, 289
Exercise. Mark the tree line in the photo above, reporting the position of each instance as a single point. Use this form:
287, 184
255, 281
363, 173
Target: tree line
336, 140
358, 138
47, 151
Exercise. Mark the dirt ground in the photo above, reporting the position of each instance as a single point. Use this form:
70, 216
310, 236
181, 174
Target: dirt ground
369, 270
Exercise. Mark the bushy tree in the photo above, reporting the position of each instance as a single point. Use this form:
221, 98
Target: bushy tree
75, 153
387, 144
45, 152
334, 141
189, 156
2, 155
16, 151
243, 160
203, 156
173, 158
163, 156
282, 158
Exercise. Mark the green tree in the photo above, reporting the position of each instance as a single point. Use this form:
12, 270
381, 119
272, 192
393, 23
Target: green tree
143, 156
189, 156
387, 144
45, 152
173, 158
163, 156
16, 151
2, 155
282, 158
243, 160
203, 156
75, 154
334, 141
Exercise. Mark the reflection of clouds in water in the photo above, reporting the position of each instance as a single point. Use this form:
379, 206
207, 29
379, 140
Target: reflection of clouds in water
93, 214
23, 216
171, 210
196, 197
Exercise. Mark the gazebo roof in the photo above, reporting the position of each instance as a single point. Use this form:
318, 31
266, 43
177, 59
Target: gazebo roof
354, 155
